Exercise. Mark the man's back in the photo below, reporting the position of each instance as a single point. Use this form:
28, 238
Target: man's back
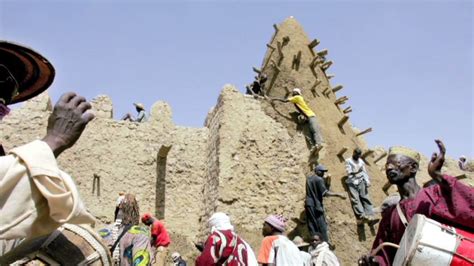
315, 190
158, 230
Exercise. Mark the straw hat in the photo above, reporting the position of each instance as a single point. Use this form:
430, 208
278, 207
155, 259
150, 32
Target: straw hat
299, 242
26, 71
139, 106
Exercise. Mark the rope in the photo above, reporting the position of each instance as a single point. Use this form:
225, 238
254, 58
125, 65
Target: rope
384, 244
86, 235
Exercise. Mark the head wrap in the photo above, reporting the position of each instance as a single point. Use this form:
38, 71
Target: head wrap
400, 150
277, 221
297, 90
220, 221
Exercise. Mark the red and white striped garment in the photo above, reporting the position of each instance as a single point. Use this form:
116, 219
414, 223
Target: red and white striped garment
224, 247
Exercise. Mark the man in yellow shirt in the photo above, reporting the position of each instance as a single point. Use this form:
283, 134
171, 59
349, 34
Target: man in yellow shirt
300, 104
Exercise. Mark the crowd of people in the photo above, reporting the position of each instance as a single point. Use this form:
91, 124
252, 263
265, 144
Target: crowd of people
37, 197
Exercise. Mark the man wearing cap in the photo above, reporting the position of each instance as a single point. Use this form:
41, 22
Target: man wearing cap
449, 201
224, 246
141, 117
300, 104
36, 196
160, 239
276, 248
178, 260
321, 254
299, 242
314, 209
358, 183
462, 163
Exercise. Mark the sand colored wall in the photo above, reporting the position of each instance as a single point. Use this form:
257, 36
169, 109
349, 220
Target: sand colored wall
250, 159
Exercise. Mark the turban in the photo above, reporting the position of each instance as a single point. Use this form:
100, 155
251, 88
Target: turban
405, 152
220, 221
277, 221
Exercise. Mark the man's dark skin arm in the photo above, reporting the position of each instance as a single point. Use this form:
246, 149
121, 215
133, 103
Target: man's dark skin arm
334, 194
276, 99
436, 163
67, 122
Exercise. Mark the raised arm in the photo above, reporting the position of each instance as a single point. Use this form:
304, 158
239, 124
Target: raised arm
436, 162
284, 100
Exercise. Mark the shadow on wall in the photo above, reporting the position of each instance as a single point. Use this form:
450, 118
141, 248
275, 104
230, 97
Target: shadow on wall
301, 228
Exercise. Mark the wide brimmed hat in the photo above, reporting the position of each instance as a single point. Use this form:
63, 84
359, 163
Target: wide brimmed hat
139, 106
299, 242
31, 72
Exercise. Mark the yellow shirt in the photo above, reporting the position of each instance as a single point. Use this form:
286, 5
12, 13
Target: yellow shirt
302, 106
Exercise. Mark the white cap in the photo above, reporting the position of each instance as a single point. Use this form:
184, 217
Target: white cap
462, 157
175, 255
297, 90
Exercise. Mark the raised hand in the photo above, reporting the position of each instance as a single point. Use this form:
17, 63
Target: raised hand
67, 122
437, 161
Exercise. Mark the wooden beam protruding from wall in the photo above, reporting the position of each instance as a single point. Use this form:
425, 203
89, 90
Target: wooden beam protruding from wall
341, 100
366, 154
337, 88
342, 121
380, 157
296, 61
330, 76
326, 65
364, 132
275, 26
340, 154
313, 44
316, 83
270, 46
326, 91
257, 70
347, 110
323, 52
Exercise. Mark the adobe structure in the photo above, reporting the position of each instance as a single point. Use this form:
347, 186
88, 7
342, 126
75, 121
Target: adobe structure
249, 160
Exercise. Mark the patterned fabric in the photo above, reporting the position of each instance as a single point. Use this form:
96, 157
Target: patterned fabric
135, 247
224, 247
277, 221
450, 203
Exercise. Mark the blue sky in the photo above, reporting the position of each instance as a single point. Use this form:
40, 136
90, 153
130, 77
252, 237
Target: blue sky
407, 66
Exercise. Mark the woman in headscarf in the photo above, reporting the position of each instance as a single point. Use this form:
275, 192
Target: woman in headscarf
224, 246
